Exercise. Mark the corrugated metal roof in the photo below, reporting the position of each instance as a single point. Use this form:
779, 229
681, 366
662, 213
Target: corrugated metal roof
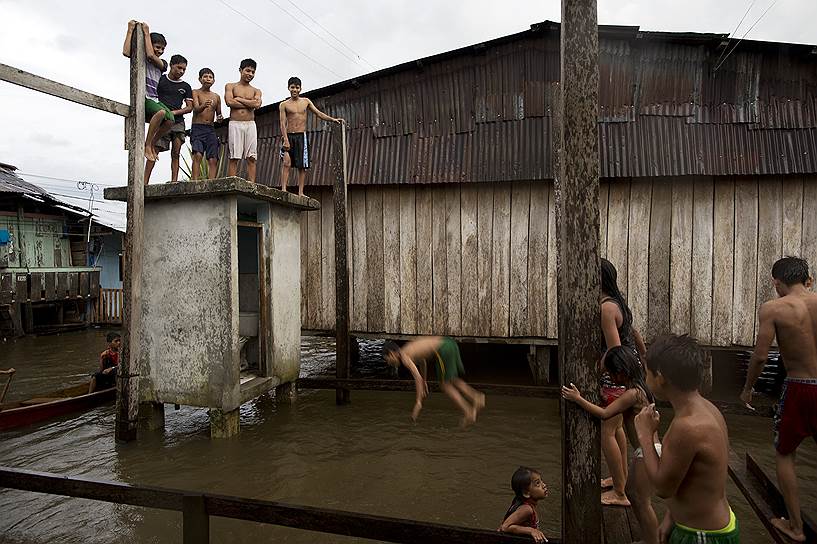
483, 113
12, 183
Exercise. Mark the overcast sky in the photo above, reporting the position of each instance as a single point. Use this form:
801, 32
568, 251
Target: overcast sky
79, 43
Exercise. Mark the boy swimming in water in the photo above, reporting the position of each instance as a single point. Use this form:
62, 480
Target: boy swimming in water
690, 470
446, 354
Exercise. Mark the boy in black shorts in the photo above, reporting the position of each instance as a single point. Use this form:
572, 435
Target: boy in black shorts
294, 145
203, 139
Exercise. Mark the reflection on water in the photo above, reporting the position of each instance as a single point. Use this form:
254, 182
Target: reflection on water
366, 457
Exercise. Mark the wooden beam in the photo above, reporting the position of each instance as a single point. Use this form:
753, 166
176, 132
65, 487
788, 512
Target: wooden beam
43, 85
342, 353
547, 392
127, 383
195, 521
577, 228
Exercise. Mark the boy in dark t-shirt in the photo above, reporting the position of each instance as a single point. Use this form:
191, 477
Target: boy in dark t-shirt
177, 95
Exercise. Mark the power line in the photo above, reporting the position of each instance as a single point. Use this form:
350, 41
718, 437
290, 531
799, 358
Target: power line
324, 40
72, 181
745, 34
265, 29
330, 33
725, 49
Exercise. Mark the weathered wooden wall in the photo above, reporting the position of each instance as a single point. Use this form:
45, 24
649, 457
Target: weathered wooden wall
693, 254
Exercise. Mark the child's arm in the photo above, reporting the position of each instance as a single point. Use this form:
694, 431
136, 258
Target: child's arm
640, 345
513, 524
218, 109
250, 103
126, 46
198, 104
322, 115
282, 122
149, 54
765, 335
678, 450
618, 406
187, 108
419, 384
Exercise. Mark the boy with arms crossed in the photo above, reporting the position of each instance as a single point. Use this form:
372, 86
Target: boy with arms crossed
203, 139
243, 99
178, 96
793, 319
159, 116
691, 470
294, 146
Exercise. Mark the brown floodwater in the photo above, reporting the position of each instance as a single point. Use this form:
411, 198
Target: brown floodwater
365, 457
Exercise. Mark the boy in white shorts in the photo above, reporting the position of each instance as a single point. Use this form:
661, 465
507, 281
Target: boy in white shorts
243, 99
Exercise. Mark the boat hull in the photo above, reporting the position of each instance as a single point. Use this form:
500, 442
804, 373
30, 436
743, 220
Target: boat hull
66, 401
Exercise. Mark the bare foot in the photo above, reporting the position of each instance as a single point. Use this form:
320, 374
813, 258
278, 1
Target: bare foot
470, 419
150, 153
784, 526
300, 193
606, 482
479, 402
612, 498
284, 189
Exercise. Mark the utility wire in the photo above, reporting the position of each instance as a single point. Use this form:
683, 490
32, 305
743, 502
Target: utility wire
725, 49
265, 29
745, 34
330, 33
72, 181
324, 40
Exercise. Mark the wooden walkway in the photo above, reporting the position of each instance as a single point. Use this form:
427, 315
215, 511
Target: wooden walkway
619, 525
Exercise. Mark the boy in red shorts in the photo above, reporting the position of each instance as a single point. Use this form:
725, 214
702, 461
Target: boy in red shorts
793, 319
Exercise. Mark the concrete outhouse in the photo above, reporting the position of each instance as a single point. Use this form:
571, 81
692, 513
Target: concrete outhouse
220, 318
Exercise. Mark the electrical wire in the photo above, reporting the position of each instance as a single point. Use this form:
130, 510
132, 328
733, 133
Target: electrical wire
328, 32
745, 34
265, 29
62, 179
324, 40
725, 49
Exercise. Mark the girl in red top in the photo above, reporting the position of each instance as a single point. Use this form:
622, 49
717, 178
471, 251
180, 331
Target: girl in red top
521, 518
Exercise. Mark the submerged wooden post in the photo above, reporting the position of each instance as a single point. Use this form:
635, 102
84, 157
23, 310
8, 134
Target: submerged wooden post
127, 384
342, 351
577, 227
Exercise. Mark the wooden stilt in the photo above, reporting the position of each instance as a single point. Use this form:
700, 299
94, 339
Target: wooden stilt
127, 386
342, 340
577, 227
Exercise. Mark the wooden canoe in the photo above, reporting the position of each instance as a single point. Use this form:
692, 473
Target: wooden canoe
55, 404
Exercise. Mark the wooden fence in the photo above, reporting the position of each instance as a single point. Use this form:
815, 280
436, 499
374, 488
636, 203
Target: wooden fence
108, 307
196, 509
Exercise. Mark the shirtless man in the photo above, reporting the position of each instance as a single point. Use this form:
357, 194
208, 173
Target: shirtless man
793, 319
294, 147
243, 99
692, 468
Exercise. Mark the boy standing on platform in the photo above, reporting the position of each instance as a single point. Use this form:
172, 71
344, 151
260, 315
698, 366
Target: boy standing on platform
243, 99
294, 145
792, 318
692, 467
203, 139
159, 116
177, 95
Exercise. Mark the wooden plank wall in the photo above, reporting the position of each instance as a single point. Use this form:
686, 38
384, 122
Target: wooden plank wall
693, 255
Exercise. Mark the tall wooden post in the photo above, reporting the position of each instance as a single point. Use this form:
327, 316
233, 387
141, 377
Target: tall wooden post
127, 385
577, 227
342, 351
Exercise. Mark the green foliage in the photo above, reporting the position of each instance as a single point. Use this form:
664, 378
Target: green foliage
204, 166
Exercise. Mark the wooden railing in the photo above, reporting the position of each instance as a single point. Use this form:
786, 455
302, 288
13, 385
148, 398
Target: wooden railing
196, 509
108, 307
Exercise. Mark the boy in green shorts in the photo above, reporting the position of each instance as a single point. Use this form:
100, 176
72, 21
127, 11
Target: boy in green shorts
159, 116
445, 354
690, 472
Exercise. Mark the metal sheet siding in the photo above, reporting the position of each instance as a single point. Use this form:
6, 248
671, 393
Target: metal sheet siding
483, 114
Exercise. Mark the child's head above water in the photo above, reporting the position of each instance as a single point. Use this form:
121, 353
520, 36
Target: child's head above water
677, 362
391, 353
625, 369
114, 340
527, 484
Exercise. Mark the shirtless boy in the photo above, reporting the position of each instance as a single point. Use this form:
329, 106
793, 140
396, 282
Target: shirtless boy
444, 352
294, 147
691, 470
203, 139
793, 319
243, 99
